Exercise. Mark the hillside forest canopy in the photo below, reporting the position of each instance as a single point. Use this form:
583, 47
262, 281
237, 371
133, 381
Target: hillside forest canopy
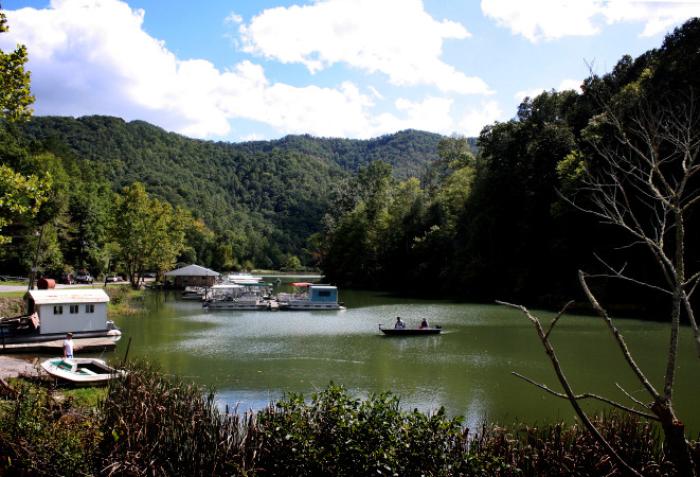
412, 212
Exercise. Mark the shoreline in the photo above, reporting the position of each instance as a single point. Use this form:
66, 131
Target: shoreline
11, 367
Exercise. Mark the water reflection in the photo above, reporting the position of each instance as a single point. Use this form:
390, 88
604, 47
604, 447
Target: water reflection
253, 358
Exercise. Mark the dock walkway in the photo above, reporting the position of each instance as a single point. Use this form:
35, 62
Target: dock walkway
56, 346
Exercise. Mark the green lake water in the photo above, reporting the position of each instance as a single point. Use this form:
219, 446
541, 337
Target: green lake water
252, 358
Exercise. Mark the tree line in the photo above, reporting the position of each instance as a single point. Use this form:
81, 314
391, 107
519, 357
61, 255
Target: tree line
502, 223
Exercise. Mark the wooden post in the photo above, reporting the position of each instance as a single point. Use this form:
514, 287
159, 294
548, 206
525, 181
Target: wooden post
127, 352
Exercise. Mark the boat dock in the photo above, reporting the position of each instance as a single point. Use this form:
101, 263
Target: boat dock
56, 346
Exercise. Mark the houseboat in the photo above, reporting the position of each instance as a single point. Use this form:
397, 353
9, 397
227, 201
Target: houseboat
240, 296
310, 296
54, 312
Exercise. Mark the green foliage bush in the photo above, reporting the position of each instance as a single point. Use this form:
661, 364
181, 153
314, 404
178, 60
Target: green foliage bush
43, 437
337, 435
157, 425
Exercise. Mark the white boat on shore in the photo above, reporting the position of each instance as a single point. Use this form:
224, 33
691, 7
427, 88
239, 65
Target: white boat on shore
83, 371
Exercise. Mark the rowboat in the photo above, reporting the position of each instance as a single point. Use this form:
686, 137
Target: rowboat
434, 330
83, 371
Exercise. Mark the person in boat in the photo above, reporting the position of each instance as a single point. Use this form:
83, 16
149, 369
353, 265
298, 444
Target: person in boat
68, 346
424, 324
399, 325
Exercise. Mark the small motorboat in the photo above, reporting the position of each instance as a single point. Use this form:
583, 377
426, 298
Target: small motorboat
83, 371
432, 330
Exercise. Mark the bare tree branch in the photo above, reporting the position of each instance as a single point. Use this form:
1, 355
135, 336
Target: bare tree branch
630, 397
579, 397
570, 393
556, 318
618, 338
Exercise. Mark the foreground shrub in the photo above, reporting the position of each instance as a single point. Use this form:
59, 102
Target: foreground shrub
41, 436
149, 424
158, 425
567, 450
337, 435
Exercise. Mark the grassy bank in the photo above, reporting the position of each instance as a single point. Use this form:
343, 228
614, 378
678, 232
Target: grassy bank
11, 304
150, 424
123, 300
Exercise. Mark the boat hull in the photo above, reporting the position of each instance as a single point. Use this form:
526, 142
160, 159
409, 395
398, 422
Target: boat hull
237, 305
81, 371
310, 306
410, 331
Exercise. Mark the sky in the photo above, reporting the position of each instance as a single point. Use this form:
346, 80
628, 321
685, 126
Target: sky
249, 70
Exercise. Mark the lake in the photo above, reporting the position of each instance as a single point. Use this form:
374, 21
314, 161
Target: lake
252, 358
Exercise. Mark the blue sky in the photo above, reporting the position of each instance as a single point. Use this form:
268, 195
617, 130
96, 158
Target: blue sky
234, 70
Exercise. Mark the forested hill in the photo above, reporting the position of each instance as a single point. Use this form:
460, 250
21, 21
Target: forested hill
274, 189
407, 151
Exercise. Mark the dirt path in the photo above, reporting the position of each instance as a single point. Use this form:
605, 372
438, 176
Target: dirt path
10, 367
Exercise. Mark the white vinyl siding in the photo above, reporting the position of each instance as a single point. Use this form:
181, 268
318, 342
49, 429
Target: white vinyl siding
80, 321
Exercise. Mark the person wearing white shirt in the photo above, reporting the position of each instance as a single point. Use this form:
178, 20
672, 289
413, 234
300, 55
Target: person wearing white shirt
68, 346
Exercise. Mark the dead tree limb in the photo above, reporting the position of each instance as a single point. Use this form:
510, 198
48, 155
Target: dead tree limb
571, 396
583, 396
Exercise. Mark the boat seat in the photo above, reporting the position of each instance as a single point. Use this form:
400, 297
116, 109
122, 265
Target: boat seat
89, 372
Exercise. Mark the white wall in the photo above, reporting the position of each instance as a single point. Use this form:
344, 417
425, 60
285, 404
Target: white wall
68, 321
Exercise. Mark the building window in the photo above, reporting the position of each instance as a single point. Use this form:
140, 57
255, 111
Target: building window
58, 309
89, 308
73, 309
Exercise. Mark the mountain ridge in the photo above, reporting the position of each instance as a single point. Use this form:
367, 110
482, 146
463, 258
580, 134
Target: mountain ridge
278, 189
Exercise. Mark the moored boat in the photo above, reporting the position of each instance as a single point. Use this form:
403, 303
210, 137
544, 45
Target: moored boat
236, 296
433, 330
193, 293
83, 371
52, 313
242, 303
313, 297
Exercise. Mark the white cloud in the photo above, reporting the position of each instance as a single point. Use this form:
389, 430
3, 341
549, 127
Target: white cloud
548, 20
395, 37
252, 137
570, 84
234, 18
90, 57
474, 120
93, 57
565, 85
430, 114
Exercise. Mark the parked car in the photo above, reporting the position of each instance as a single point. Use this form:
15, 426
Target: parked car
83, 277
67, 279
113, 278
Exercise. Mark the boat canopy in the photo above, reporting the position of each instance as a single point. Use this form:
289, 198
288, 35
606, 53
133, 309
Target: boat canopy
192, 271
301, 284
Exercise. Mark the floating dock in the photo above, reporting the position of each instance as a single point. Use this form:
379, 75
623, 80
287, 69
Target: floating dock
55, 346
